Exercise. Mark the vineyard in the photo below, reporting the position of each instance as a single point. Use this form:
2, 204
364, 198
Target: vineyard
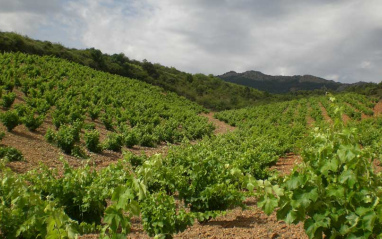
86, 115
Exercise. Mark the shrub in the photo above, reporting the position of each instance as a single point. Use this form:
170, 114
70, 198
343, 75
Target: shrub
31, 121
66, 138
92, 141
11, 154
21, 109
114, 142
89, 126
50, 136
8, 99
77, 126
10, 119
59, 118
79, 152
148, 140
94, 112
108, 122
160, 217
135, 160
130, 138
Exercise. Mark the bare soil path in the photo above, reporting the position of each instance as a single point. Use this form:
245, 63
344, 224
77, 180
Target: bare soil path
325, 113
378, 108
220, 126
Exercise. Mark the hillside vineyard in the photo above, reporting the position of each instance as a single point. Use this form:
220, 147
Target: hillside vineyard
334, 191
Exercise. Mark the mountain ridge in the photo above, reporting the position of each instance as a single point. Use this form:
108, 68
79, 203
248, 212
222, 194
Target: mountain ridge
282, 84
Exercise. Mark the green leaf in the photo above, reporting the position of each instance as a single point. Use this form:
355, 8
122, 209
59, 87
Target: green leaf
124, 199
134, 207
268, 203
278, 190
286, 213
368, 221
295, 181
349, 177
303, 197
314, 226
113, 217
336, 191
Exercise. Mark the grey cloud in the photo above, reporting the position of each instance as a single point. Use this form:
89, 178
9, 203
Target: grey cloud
35, 6
333, 39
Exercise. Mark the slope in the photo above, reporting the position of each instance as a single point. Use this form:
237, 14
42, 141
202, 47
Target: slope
208, 91
68, 108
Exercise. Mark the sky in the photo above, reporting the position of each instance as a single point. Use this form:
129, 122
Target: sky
338, 40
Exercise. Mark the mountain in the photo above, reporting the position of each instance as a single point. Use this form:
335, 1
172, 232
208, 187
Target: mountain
280, 84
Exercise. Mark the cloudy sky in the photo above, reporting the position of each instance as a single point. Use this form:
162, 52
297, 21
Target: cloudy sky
335, 39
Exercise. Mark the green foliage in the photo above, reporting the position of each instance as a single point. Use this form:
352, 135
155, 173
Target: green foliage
161, 218
25, 215
119, 213
10, 119
77, 191
130, 138
107, 121
31, 121
135, 160
92, 141
209, 91
8, 99
94, 112
335, 192
145, 114
50, 136
114, 142
21, 109
79, 152
11, 154
66, 138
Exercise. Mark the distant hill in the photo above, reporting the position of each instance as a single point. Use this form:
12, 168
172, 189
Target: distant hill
281, 84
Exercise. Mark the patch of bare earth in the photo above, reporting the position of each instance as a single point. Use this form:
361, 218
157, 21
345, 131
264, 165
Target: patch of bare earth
220, 126
36, 149
309, 120
325, 113
377, 166
378, 108
286, 164
250, 223
345, 118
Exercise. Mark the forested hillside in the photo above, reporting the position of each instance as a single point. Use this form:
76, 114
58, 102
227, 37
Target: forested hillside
282, 84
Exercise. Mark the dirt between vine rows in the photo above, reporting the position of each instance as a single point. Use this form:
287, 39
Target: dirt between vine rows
325, 113
220, 126
378, 108
236, 223
36, 149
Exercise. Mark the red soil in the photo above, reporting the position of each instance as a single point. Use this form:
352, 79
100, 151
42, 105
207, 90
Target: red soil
325, 113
